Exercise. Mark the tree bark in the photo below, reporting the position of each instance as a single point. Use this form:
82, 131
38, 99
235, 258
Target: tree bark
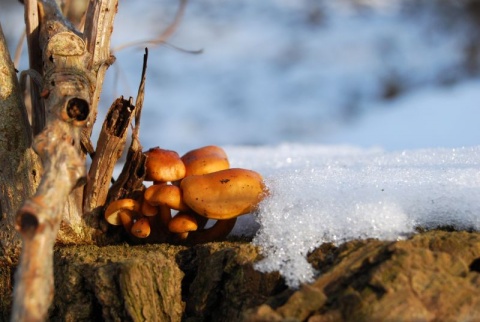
73, 71
20, 166
80, 226
67, 70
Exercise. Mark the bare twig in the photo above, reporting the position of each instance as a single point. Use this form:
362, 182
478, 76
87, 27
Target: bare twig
162, 38
18, 49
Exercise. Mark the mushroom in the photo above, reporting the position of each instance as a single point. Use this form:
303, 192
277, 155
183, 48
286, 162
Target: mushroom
182, 224
126, 218
141, 228
147, 209
113, 209
165, 215
163, 165
204, 160
218, 231
165, 195
223, 194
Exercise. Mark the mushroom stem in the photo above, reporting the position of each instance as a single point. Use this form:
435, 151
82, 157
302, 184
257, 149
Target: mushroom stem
165, 215
218, 231
182, 236
126, 218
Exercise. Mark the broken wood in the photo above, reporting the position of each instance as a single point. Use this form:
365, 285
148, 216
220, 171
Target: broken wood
130, 180
110, 146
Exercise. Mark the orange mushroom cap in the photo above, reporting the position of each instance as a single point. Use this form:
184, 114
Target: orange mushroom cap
165, 195
182, 223
204, 160
224, 194
141, 228
163, 165
112, 211
148, 209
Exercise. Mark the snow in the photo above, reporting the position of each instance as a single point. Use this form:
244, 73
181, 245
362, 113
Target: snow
297, 90
338, 193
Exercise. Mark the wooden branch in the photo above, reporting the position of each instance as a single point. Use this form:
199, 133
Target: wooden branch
35, 62
70, 95
110, 146
80, 227
97, 33
20, 166
130, 180
39, 220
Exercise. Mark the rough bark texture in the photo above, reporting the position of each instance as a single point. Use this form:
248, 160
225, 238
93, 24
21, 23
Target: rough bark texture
97, 32
111, 143
19, 165
434, 276
117, 283
68, 88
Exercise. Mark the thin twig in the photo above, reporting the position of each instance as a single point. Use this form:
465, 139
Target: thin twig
19, 49
140, 97
166, 34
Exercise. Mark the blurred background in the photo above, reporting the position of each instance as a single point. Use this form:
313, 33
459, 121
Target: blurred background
397, 74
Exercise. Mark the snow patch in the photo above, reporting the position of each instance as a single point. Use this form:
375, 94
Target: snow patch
334, 194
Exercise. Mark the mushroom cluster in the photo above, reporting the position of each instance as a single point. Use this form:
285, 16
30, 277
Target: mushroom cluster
196, 187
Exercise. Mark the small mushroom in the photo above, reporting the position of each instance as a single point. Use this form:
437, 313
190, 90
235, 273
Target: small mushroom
204, 160
165, 195
147, 209
126, 218
113, 209
141, 228
163, 165
223, 194
182, 224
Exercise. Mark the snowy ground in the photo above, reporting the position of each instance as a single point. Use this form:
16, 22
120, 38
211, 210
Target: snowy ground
338, 193
297, 90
